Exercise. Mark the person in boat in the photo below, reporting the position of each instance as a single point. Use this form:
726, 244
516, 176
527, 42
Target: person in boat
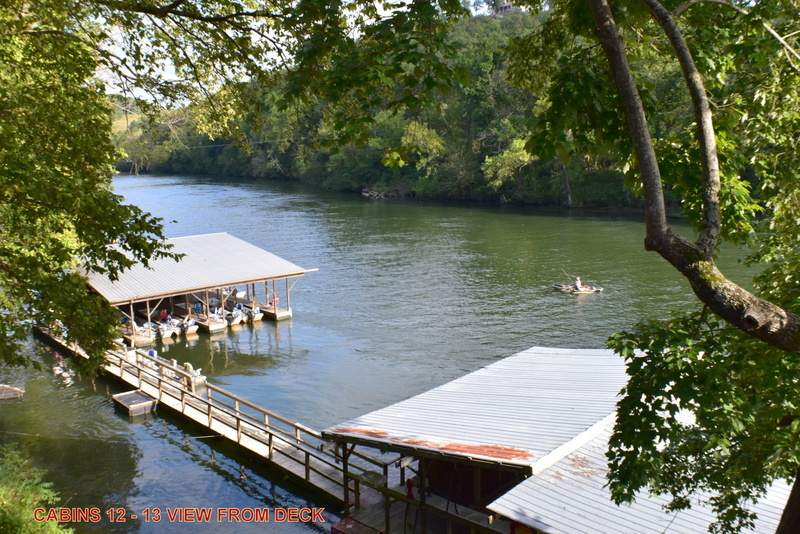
578, 286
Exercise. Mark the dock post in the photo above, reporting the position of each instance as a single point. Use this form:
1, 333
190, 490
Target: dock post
423, 472
345, 459
387, 512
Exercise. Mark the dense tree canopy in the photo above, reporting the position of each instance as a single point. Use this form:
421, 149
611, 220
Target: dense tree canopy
479, 126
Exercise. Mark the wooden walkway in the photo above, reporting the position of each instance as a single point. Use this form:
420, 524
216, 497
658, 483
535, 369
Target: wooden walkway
375, 493
282, 443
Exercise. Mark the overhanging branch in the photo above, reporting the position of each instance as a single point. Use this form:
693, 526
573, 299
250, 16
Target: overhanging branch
758, 317
710, 229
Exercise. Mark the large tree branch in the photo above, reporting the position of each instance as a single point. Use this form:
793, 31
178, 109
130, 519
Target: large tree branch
171, 10
709, 232
756, 316
637, 122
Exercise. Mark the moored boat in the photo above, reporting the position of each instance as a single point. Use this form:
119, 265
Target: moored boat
250, 309
158, 330
185, 325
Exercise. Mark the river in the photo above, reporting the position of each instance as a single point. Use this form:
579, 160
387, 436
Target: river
408, 295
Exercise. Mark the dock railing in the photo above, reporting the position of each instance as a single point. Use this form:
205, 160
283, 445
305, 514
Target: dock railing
286, 443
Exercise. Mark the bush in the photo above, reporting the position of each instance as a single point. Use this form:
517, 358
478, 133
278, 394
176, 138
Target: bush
21, 492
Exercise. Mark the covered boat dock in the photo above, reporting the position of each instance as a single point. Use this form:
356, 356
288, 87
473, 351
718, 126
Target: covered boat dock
517, 447
220, 280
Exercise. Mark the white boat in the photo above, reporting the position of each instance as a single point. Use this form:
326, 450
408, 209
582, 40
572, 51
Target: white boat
185, 325
158, 330
234, 317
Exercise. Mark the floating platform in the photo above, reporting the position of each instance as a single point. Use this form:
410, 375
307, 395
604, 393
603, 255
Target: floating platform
138, 340
11, 392
266, 310
136, 402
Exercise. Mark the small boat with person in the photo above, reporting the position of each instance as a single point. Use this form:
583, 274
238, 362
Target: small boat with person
577, 288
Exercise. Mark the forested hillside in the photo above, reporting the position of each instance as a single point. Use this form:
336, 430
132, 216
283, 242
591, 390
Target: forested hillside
469, 146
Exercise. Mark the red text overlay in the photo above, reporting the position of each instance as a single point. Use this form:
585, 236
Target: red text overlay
182, 515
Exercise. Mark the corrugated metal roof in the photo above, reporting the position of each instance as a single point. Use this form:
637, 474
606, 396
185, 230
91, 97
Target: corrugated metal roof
210, 261
571, 498
514, 411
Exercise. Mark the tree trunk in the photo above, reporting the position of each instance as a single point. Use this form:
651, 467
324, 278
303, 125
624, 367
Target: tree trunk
790, 519
694, 260
566, 185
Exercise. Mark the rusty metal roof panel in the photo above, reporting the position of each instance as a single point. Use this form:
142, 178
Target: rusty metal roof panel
210, 261
514, 411
570, 497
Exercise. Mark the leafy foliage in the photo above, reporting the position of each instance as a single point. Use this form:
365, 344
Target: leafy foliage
22, 491
707, 411
57, 211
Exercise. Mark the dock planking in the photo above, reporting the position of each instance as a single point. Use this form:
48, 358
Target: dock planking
290, 446
280, 443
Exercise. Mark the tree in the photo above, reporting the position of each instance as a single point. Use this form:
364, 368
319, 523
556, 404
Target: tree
58, 60
56, 206
706, 407
22, 491
508, 164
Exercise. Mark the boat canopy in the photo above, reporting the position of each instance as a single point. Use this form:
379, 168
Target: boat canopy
209, 261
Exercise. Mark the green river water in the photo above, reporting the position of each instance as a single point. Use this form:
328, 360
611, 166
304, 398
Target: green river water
408, 296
